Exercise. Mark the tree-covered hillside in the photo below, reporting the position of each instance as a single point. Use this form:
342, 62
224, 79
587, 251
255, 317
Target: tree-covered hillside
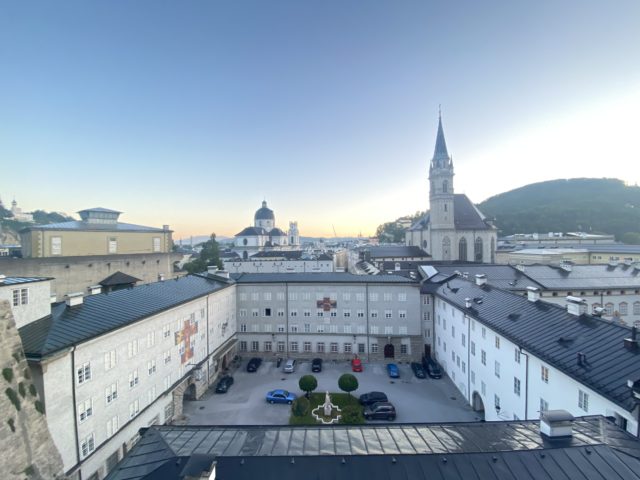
581, 204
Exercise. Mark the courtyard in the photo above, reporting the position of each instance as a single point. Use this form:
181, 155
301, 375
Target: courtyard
416, 400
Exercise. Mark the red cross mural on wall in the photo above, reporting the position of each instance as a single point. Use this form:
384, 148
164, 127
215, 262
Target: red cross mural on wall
326, 304
183, 336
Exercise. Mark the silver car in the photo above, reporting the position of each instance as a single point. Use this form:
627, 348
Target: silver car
289, 366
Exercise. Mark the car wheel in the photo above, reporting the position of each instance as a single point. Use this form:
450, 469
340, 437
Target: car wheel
271, 402
391, 417
289, 402
367, 417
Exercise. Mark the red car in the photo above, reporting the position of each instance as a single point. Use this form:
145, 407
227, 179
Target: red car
356, 365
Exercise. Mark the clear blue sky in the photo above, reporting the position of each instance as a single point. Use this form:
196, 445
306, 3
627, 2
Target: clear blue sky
191, 112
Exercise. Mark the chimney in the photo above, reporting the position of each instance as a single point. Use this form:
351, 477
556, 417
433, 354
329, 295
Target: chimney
95, 289
581, 359
165, 227
481, 279
465, 274
635, 388
631, 343
2, 278
467, 302
556, 423
74, 300
576, 306
520, 267
161, 277
213, 270
566, 266
533, 294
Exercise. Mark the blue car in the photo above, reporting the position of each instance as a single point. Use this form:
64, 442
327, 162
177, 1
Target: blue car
392, 370
280, 396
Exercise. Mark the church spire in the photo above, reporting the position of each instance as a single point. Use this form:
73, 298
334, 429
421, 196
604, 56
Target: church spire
440, 155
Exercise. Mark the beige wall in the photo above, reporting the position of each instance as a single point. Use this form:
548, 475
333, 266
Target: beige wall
37, 243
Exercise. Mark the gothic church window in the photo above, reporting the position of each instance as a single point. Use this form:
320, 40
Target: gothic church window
477, 250
462, 249
446, 248
445, 187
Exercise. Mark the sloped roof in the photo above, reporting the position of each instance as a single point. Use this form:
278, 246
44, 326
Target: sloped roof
276, 232
319, 277
105, 312
118, 278
20, 280
466, 216
252, 231
584, 276
501, 276
78, 225
393, 251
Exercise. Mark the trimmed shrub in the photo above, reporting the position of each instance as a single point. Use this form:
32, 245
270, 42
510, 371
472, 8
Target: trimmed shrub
32, 390
300, 407
7, 373
13, 397
348, 383
22, 390
308, 384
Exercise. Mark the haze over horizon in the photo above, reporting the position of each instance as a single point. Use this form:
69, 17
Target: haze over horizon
191, 115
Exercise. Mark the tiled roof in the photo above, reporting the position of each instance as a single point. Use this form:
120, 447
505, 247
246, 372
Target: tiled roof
320, 277
105, 312
552, 334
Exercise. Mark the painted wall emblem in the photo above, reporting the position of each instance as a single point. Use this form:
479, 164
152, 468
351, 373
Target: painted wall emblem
184, 336
327, 304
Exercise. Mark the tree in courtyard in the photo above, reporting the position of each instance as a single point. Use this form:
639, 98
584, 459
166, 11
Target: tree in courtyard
348, 383
210, 255
308, 384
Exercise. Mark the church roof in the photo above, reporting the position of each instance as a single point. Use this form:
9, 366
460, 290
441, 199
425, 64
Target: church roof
440, 154
252, 231
276, 232
466, 216
264, 213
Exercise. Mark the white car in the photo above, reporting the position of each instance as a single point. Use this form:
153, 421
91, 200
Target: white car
289, 366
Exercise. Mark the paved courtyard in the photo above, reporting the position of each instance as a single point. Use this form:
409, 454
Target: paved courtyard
416, 400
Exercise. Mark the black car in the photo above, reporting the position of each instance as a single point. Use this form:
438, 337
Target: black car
224, 384
254, 364
418, 371
432, 368
316, 365
380, 411
372, 397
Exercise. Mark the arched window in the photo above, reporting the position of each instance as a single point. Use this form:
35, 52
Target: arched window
608, 309
636, 308
245, 255
477, 250
462, 249
244, 241
623, 308
424, 244
446, 248
445, 207
445, 186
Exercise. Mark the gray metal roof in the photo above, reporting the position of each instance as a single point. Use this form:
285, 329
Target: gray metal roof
264, 213
619, 248
466, 216
105, 312
391, 251
483, 450
555, 336
276, 232
99, 209
320, 277
78, 225
501, 276
584, 277
21, 280
251, 231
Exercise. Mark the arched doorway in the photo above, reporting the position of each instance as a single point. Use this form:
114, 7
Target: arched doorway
190, 393
478, 405
389, 351
245, 255
462, 249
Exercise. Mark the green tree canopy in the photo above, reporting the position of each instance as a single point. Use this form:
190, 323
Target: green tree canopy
348, 383
210, 255
308, 384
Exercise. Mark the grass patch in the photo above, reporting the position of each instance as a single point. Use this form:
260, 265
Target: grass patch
341, 400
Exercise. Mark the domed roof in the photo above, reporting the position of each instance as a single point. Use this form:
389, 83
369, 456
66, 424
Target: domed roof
264, 213
276, 232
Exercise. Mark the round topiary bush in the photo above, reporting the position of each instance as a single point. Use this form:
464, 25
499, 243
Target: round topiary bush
348, 383
300, 407
308, 384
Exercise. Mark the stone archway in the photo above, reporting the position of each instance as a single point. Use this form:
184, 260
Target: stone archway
477, 404
189, 393
389, 351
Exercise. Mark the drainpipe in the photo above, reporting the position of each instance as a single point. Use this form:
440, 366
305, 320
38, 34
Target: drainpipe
468, 357
526, 385
366, 313
286, 300
75, 407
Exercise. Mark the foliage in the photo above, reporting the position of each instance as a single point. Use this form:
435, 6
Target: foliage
27, 374
300, 407
7, 373
4, 213
348, 383
392, 232
210, 255
341, 400
29, 471
39, 406
308, 384
22, 390
13, 397
42, 218
12, 424
631, 238
33, 391
352, 415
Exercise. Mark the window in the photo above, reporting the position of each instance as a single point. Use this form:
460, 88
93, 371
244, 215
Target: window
334, 347
243, 327
84, 373
484, 332
608, 309
306, 313
293, 328
267, 312
483, 357
113, 245
464, 367
85, 410
307, 328
517, 355
243, 346
306, 346
497, 341
112, 426
361, 312
583, 400
132, 348
483, 388
516, 386
255, 296
333, 328
473, 348
374, 348
360, 297
87, 446
320, 347
255, 312
388, 314
544, 405
402, 314
167, 357
151, 367
319, 313
473, 377
346, 313
444, 345
404, 349
462, 249
294, 347
134, 408
361, 348
267, 296
320, 328
464, 340
477, 250
167, 381
544, 373
402, 297
151, 339
374, 314
111, 393
453, 331
373, 297
133, 378
346, 297
293, 313
56, 245
280, 328
347, 347
497, 369
334, 313
254, 346
109, 360
280, 347
496, 401
636, 308
624, 308
267, 346
347, 328
281, 312
453, 356
388, 330
20, 296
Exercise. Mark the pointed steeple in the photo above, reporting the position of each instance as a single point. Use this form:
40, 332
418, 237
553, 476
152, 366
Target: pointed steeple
440, 155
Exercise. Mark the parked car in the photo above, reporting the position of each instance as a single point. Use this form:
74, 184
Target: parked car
393, 370
316, 365
356, 365
289, 366
254, 364
373, 397
280, 396
224, 383
432, 367
380, 411
418, 371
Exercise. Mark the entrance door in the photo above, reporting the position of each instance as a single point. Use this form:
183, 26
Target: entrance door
478, 405
389, 351
190, 392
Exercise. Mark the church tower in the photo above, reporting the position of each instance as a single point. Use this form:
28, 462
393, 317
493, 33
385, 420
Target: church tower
441, 185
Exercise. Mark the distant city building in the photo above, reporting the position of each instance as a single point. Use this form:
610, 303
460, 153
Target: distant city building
577, 253
264, 235
279, 261
18, 214
453, 228
557, 238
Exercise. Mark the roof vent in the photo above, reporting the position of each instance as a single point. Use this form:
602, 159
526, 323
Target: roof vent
95, 289
582, 359
566, 266
465, 274
576, 306
598, 311
635, 388
520, 267
74, 299
467, 302
533, 294
631, 343
481, 279
2, 278
556, 423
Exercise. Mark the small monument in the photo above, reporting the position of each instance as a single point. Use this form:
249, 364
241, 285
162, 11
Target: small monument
327, 413
327, 405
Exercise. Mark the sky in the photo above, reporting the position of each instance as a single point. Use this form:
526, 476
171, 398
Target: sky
190, 113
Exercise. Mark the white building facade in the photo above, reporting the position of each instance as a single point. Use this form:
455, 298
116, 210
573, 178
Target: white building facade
29, 297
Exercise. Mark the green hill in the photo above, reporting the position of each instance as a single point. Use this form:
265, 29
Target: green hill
592, 205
